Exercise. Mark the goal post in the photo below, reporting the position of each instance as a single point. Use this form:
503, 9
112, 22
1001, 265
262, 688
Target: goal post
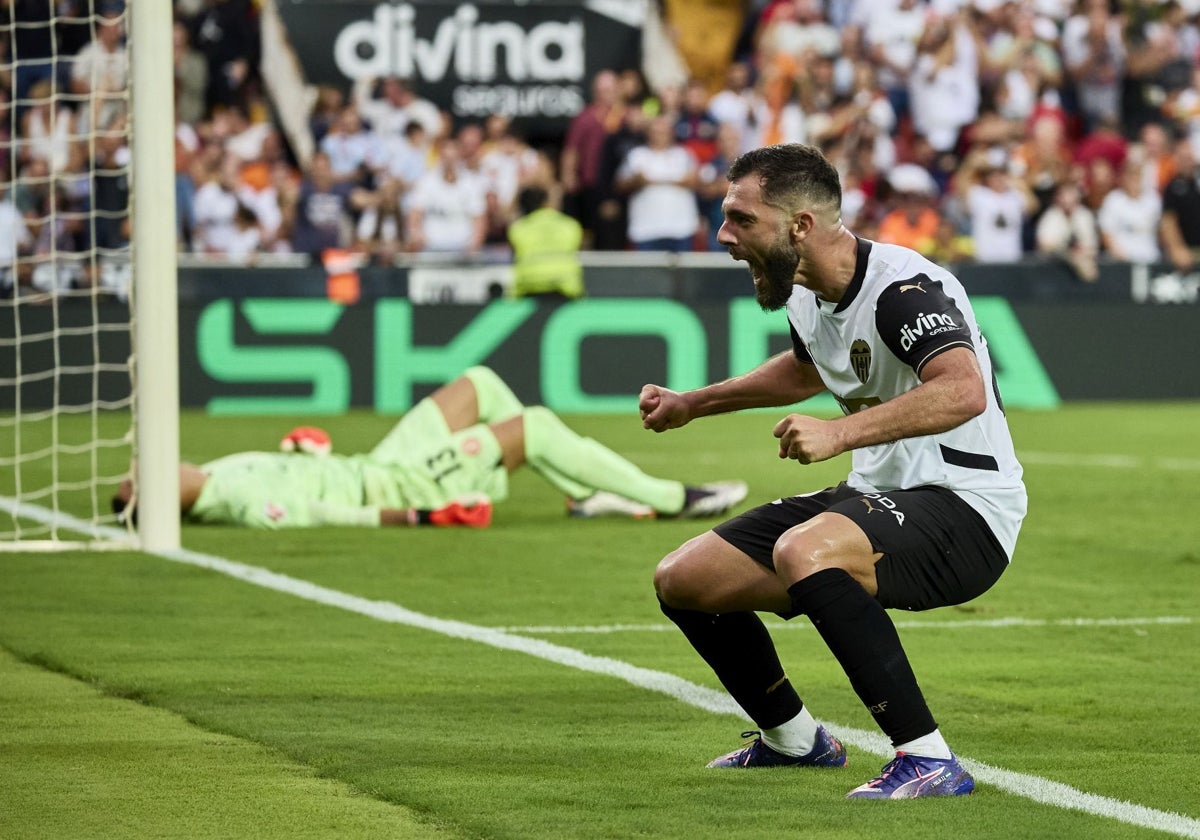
88, 295
155, 295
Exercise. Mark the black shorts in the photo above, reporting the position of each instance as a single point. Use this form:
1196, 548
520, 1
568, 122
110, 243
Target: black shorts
937, 550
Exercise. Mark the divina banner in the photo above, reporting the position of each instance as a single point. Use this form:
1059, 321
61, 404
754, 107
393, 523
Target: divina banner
533, 60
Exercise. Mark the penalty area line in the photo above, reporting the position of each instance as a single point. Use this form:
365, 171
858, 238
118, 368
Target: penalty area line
1034, 788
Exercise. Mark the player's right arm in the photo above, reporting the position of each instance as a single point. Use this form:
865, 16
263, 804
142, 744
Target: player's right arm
780, 380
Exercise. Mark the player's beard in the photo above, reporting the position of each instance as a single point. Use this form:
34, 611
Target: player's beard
776, 277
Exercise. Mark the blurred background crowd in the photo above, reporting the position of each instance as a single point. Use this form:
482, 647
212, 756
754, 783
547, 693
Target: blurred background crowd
966, 129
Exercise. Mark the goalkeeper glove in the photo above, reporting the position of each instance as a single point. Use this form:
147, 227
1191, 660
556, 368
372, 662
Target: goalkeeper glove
474, 512
308, 439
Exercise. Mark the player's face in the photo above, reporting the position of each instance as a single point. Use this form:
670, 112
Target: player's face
757, 233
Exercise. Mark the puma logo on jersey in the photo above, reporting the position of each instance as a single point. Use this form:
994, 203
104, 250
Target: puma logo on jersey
886, 505
909, 286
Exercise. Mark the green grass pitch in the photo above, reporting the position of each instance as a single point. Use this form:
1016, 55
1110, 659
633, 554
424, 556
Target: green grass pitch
141, 697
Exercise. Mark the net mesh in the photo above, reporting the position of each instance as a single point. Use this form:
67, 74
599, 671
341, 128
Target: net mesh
66, 385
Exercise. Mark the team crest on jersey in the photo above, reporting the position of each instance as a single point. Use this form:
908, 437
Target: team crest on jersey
471, 446
860, 359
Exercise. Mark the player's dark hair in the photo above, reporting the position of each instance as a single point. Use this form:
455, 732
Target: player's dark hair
123, 511
790, 174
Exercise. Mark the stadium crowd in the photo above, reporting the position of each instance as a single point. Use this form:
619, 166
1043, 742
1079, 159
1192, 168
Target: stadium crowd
966, 129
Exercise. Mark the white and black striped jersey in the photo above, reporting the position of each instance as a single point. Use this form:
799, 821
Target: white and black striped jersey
900, 311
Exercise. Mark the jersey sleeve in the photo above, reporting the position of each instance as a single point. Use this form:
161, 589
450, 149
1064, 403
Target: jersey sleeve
798, 348
918, 321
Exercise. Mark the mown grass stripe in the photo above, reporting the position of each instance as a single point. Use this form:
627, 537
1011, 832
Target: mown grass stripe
985, 623
1044, 791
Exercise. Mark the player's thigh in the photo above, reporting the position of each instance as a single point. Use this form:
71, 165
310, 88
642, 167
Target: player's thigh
936, 549
756, 531
423, 428
471, 461
708, 574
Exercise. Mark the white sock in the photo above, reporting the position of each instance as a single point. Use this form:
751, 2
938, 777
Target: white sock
932, 745
797, 736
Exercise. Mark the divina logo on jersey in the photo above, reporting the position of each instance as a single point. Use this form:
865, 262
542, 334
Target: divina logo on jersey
925, 325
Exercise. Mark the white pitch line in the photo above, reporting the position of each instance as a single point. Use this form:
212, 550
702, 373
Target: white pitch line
1066, 459
1035, 788
601, 629
1053, 459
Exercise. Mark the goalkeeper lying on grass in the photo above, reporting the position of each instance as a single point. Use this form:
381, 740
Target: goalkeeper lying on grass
444, 463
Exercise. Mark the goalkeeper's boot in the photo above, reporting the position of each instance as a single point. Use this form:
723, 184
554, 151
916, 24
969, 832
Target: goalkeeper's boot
913, 776
712, 499
826, 752
602, 503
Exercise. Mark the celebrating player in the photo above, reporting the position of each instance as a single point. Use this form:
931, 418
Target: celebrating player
928, 516
444, 463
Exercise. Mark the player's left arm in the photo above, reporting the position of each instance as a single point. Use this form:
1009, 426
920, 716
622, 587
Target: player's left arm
472, 512
925, 329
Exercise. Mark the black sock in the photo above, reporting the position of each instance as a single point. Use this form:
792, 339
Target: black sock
739, 650
862, 637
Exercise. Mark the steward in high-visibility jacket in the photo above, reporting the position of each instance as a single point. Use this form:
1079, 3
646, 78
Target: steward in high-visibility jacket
545, 244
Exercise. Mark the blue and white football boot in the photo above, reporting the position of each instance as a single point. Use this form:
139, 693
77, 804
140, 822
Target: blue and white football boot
913, 776
827, 752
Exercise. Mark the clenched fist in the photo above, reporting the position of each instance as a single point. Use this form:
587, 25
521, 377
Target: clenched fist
807, 439
662, 408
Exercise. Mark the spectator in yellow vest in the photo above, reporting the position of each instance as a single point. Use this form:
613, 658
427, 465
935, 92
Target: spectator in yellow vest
545, 244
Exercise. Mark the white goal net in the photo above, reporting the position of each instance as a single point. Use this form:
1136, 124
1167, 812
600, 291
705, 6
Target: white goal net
86, 391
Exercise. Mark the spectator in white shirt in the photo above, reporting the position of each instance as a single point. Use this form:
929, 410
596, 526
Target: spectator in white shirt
1067, 230
733, 104
14, 241
944, 86
247, 237
891, 31
997, 205
1129, 217
507, 159
1094, 54
396, 105
797, 29
776, 115
404, 159
47, 127
214, 205
447, 210
660, 178
351, 147
101, 71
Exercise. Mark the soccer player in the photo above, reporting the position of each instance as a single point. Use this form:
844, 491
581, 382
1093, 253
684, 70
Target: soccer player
928, 516
444, 463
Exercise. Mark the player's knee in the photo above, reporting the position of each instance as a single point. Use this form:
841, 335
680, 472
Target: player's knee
540, 425
494, 398
797, 555
674, 582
